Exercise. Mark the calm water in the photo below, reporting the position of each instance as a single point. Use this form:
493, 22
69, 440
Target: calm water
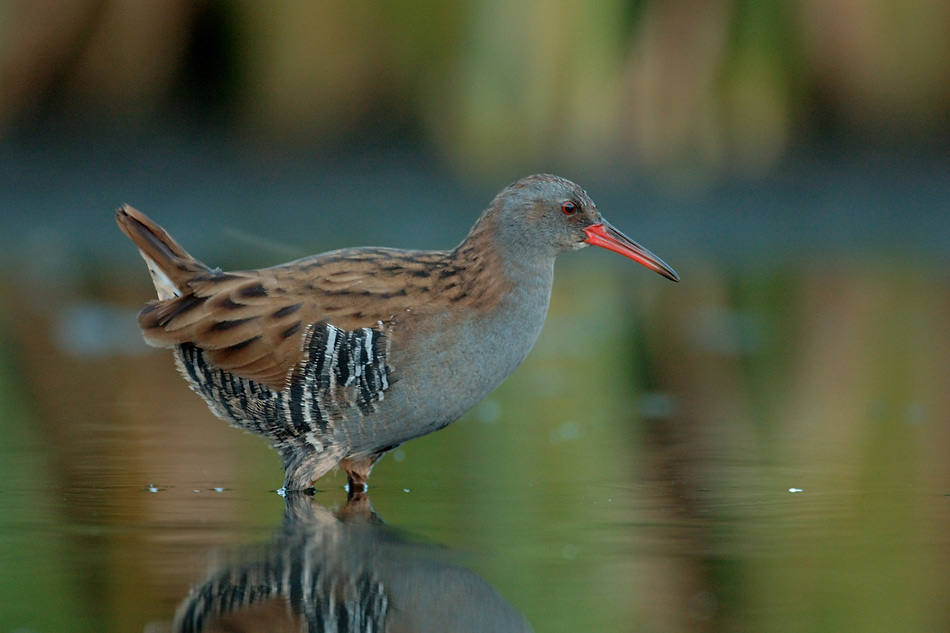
755, 450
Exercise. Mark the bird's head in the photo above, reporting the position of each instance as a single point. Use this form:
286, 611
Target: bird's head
549, 215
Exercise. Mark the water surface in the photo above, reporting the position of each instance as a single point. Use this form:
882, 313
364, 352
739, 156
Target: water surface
741, 451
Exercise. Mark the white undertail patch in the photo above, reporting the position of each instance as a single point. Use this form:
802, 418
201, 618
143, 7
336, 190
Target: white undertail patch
163, 285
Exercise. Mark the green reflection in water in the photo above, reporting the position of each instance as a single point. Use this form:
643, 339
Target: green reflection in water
38, 590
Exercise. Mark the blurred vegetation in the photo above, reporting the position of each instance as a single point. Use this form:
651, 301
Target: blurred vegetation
493, 85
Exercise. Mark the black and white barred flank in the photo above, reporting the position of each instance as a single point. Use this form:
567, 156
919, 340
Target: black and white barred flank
340, 369
246, 403
343, 374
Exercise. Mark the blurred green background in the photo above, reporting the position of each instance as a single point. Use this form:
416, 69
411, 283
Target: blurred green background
791, 160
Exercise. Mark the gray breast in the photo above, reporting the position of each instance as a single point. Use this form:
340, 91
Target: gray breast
460, 359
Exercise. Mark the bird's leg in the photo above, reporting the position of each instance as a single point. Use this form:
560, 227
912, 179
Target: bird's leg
357, 472
302, 468
356, 478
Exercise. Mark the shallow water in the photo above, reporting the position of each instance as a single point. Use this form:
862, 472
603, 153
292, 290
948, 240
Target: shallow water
741, 451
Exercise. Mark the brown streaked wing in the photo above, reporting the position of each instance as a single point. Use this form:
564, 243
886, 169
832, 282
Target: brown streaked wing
251, 323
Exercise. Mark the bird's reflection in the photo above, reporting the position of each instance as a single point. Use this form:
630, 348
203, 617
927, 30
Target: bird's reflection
343, 572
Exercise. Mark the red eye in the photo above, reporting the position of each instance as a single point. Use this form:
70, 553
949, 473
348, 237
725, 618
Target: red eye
569, 208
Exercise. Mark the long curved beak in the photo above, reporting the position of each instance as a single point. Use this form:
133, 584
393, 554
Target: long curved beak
608, 237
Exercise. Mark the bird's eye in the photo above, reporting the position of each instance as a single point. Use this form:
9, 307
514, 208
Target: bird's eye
569, 208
